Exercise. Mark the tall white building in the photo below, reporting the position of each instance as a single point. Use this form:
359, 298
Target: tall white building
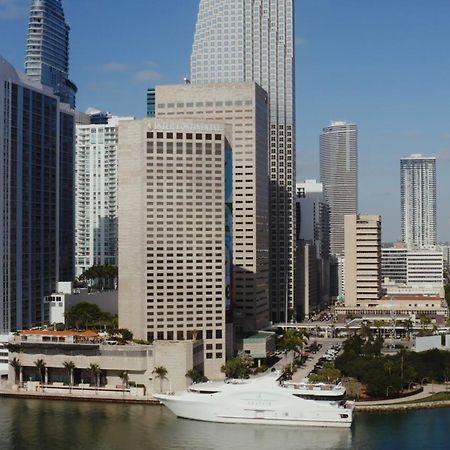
96, 194
339, 175
253, 40
418, 201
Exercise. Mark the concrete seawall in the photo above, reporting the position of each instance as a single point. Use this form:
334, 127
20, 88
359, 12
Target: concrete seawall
401, 408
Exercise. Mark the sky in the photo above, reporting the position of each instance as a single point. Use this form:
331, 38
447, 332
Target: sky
382, 64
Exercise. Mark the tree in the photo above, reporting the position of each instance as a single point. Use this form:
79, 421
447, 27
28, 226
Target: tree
239, 367
40, 366
96, 372
125, 378
161, 373
408, 324
83, 314
126, 334
292, 341
16, 365
196, 376
70, 367
328, 374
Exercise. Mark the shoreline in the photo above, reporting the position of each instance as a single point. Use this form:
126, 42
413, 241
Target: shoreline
377, 408
398, 407
76, 398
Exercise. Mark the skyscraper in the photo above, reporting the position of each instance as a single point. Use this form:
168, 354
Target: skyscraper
362, 258
418, 201
243, 106
339, 175
96, 193
238, 40
174, 233
47, 53
36, 198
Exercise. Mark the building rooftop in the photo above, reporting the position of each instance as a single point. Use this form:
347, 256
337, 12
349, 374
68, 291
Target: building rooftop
68, 333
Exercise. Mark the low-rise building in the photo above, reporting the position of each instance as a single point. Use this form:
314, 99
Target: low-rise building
439, 342
85, 349
398, 307
260, 345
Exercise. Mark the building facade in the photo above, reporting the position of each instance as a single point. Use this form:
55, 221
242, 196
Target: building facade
47, 53
36, 198
174, 233
96, 193
151, 107
313, 236
236, 41
418, 201
362, 259
339, 175
244, 107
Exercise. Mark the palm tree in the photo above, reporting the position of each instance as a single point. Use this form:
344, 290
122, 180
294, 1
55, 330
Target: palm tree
95, 371
40, 366
15, 363
124, 377
160, 373
70, 367
292, 340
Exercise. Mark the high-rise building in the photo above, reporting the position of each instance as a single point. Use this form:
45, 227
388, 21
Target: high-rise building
313, 225
96, 193
244, 107
36, 198
175, 232
339, 175
47, 53
238, 40
151, 102
362, 258
418, 201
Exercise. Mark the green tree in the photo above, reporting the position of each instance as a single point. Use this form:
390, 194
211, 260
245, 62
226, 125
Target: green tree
239, 367
292, 340
83, 314
196, 376
70, 367
328, 374
40, 366
161, 373
16, 365
126, 334
96, 372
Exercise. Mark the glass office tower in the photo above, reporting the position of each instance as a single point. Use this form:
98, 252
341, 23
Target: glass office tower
47, 54
253, 40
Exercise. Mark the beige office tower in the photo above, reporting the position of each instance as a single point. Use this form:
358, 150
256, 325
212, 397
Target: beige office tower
244, 107
362, 238
173, 265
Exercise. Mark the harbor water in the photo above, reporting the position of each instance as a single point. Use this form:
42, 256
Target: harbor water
57, 425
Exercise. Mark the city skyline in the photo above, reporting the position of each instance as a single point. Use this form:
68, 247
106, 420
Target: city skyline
379, 86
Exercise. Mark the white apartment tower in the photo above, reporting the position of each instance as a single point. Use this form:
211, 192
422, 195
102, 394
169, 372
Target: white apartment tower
362, 258
418, 201
96, 194
253, 40
339, 175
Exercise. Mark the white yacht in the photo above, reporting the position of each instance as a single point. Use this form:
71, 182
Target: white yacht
264, 400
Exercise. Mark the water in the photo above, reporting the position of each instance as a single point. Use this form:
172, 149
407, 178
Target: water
53, 425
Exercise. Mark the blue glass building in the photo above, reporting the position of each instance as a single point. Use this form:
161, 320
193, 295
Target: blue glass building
47, 54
